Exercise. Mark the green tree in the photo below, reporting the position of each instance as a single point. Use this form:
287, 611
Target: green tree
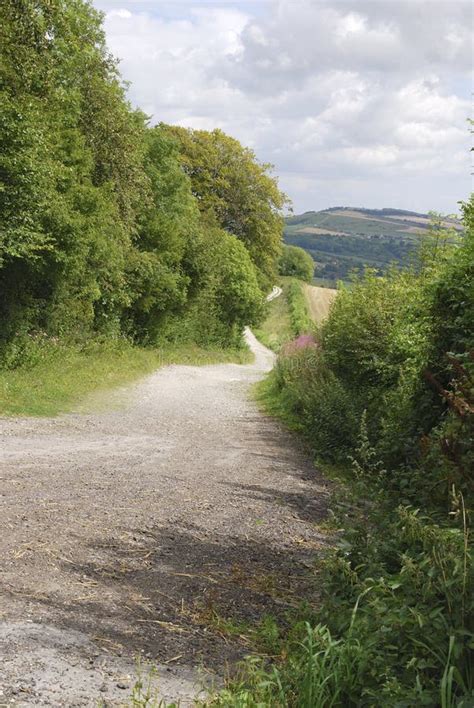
71, 175
157, 281
235, 192
225, 295
296, 262
102, 231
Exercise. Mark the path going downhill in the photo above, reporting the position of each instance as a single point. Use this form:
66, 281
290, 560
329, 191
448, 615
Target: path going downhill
141, 528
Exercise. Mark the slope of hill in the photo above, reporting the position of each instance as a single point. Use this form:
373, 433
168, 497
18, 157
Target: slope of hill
342, 239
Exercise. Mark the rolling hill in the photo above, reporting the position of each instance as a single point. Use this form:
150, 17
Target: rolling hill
343, 239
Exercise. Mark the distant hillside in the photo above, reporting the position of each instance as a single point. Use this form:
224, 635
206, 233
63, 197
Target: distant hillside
341, 239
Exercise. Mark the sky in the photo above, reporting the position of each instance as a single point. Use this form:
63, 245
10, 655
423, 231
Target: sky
355, 102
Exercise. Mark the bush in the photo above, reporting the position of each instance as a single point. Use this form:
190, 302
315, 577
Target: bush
396, 361
312, 398
298, 309
297, 263
227, 295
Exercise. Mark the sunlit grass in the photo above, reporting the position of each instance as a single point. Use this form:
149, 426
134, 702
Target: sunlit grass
64, 375
275, 330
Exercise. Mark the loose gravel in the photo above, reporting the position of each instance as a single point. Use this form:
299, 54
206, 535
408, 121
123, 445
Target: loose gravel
143, 531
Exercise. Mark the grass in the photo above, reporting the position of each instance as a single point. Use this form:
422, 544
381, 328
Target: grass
276, 328
319, 301
300, 318
63, 376
293, 312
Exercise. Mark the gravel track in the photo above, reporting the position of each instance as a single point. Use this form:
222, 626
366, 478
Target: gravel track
135, 530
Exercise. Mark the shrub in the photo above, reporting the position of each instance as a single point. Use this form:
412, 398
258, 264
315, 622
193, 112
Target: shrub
297, 263
299, 316
396, 360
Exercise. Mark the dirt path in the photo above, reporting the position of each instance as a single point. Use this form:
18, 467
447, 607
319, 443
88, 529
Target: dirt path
137, 530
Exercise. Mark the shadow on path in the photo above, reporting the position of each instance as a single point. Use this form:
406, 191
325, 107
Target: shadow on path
177, 595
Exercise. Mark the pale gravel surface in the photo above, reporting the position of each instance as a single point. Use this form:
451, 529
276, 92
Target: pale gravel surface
132, 531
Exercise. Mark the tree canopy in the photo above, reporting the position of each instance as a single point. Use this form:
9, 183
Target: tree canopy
236, 192
107, 226
296, 262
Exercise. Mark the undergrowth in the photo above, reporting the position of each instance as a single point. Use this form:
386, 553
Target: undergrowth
395, 626
300, 319
385, 397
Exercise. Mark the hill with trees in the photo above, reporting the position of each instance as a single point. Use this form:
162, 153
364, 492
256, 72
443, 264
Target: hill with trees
342, 240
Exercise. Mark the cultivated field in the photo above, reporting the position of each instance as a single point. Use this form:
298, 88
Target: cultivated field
319, 301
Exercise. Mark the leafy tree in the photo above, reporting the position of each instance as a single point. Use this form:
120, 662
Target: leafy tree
235, 192
70, 170
157, 282
296, 262
226, 295
102, 231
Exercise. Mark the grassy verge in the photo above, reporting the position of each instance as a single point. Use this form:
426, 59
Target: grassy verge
287, 316
63, 375
276, 328
394, 625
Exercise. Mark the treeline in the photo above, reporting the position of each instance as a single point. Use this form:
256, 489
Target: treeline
386, 400
108, 227
338, 257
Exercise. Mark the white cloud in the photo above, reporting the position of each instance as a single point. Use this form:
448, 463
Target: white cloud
355, 102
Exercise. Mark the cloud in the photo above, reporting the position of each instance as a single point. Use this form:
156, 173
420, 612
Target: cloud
355, 102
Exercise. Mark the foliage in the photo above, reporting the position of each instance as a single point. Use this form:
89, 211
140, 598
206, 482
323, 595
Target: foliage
235, 192
393, 630
228, 296
67, 203
155, 272
309, 396
389, 387
296, 262
298, 308
103, 231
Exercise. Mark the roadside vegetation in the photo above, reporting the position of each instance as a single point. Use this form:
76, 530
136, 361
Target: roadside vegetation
285, 317
110, 229
300, 320
386, 400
